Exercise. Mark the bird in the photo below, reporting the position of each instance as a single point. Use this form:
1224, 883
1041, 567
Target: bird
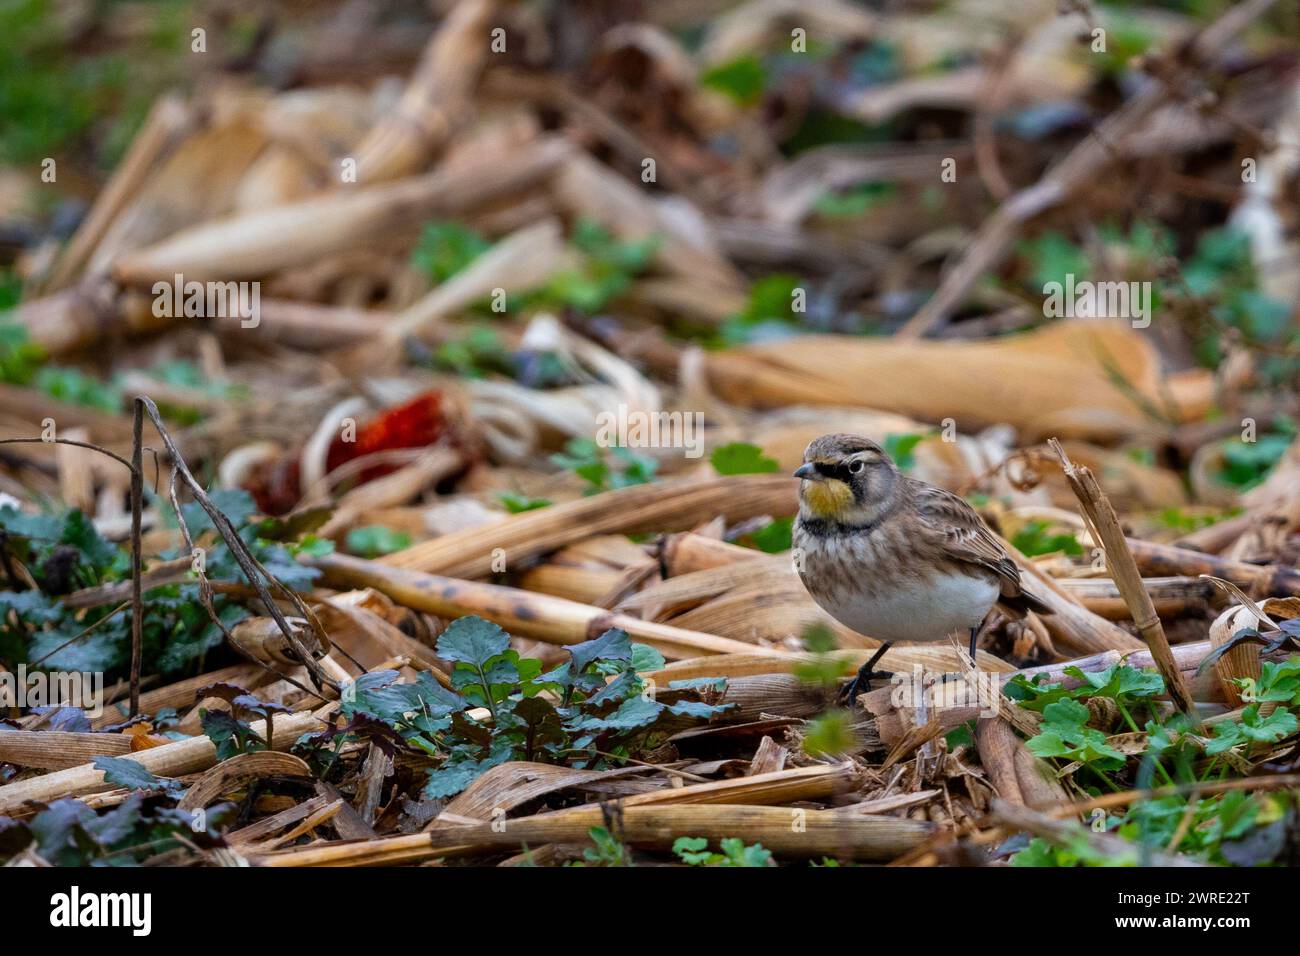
893, 557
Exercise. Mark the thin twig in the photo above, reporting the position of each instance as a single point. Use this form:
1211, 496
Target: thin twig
72, 640
67, 441
137, 598
248, 564
1103, 525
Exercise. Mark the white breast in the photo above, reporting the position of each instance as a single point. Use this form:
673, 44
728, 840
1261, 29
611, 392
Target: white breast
920, 611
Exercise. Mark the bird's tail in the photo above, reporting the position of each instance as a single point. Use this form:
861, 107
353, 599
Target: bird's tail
1024, 602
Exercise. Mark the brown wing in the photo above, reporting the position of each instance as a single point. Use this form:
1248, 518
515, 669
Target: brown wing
951, 527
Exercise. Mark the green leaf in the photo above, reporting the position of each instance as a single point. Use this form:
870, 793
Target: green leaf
189, 642
235, 503
1278, 681
605, 271
830, 734
960, 737
629, 255
69, 833
79, 531
1281, 723
123, 772
902, 448
693, 851
1118, 682
1052, 257
772, 297
621, 689
542, 724
613, 645
1069, 715
1035, 538
472, 640
20, 358
1261, 317
1245, 464
517, 503
774, 537
1226, 736
371, 541
477, 354
743, 79
823, 672
697, 709
608, 851
377, 693
1040, 853
104, 649
636, 470
737, 854
230, 735
646, 658
1065, 735
631, 714
740, 458
455, 775
74, 386
587, 460
446, 248
313, 546
819, 638
858, 200
699, 683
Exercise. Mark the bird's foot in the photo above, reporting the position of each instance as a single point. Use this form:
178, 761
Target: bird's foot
861, 682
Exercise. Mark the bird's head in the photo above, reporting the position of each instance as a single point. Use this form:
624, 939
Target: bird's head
845, 479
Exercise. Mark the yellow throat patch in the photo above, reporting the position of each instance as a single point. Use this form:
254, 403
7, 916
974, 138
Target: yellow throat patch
828, 499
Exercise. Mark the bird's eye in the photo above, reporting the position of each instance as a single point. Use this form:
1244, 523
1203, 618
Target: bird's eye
856, 465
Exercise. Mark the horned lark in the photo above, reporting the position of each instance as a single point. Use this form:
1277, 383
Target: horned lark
893, 557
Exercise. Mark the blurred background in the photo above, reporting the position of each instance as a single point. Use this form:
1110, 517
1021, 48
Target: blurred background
474, 228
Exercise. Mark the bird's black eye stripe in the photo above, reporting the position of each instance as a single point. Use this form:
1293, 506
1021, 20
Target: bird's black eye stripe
840, 472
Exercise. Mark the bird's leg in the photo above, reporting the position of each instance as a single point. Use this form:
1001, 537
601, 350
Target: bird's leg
974, 637
849, 694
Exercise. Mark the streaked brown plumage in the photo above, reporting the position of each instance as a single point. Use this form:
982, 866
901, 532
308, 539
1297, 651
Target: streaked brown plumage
893, 557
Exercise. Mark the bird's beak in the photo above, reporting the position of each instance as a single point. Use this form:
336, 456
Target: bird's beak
807, 470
